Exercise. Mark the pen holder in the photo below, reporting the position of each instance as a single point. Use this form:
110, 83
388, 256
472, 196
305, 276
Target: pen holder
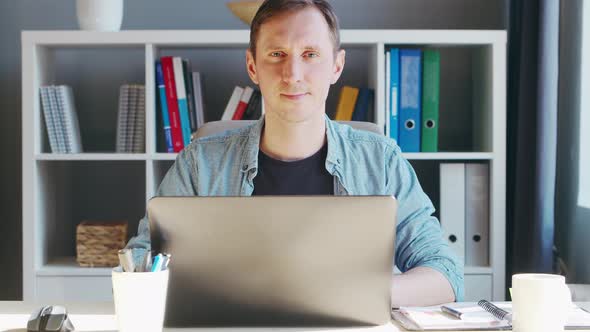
140, 300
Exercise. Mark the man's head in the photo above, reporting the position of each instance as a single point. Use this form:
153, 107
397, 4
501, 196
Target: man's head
295, 56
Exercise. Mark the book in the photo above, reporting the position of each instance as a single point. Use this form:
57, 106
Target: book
175, 128
430, 100
232, 103
473, 317
163, 106
199, 103
138, 145
65, 96
190, 97
49, 121
346, 102
121, 141
243, 103
363, 102
185, 124
253, 111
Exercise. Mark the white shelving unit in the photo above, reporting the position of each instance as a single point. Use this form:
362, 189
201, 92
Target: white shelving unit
51, 189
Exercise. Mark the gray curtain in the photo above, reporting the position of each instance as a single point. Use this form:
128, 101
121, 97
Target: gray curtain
533, 62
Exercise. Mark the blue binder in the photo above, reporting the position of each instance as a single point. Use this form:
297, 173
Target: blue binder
410, 107
394, 94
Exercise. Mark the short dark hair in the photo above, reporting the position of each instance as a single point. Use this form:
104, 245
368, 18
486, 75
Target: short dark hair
270, 8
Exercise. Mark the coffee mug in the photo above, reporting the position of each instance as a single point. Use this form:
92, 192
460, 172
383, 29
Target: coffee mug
540, 302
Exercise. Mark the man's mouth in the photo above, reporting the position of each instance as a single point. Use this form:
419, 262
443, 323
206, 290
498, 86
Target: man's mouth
293, 96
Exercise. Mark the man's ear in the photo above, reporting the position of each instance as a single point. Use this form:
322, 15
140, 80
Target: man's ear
251, 66
338, 65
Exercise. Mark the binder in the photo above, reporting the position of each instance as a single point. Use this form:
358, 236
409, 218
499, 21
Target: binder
476, 215
452, 206
430, 100
410, 99
394, 86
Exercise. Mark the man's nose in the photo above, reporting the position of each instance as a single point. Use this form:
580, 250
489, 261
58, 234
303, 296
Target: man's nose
292, 70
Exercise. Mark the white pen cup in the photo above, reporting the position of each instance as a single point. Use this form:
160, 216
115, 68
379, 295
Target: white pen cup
540, 302
140, 300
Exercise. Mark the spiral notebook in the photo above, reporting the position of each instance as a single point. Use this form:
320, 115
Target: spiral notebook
473, 317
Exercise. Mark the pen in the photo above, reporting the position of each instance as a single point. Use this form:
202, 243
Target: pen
166, 261
455, 313
158, 260
126, 260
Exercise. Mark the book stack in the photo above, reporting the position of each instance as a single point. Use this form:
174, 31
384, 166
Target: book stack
180, 94
131, 119
244, 104
61, 119
354, 104
412, 98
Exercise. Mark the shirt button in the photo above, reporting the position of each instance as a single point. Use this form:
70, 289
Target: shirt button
338, 161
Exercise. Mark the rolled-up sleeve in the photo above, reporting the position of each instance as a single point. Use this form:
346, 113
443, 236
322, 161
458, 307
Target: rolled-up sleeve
419, 238
178, 181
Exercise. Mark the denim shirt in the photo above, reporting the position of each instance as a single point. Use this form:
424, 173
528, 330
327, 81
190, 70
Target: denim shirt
361, 162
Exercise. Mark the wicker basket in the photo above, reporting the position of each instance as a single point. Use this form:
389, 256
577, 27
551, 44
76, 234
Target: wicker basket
97, 243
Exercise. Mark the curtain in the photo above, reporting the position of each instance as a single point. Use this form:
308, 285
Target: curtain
533, 62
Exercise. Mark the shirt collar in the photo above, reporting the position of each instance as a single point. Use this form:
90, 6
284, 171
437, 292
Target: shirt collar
250, 157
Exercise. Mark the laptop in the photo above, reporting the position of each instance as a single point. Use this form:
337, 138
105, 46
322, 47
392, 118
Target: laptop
276, 260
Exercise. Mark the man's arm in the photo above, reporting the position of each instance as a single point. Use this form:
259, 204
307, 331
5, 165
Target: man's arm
420, 286
179, 181
429, 266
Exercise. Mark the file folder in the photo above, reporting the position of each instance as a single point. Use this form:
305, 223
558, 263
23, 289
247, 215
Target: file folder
410, 107
430, 100
476, 215
452, 206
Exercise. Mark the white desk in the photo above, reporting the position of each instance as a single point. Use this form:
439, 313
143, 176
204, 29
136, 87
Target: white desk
99, 317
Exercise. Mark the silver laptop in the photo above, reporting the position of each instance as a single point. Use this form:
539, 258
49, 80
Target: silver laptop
276, 260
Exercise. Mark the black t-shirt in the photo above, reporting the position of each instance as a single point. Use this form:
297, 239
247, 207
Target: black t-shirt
302, 177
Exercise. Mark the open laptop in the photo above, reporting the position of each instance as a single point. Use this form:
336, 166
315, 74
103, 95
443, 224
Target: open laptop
276, 260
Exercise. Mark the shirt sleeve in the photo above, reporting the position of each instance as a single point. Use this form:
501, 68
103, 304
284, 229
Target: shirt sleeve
178, 181
419, 238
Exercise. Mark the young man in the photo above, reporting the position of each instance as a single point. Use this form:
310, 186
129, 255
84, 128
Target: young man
294, 57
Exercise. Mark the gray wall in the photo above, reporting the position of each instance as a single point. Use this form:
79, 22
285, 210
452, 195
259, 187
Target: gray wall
175, 14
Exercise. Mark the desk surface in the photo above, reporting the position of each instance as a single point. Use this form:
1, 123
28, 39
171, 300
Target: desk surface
99, 317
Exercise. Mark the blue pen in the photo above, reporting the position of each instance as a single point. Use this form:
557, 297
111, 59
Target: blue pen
157, 266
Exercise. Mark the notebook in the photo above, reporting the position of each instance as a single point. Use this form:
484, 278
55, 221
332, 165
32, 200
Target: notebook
473, 317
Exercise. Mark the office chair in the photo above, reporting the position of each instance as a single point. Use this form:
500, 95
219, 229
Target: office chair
214, 127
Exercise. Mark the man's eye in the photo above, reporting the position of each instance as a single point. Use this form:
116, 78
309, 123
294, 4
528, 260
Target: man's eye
275, 54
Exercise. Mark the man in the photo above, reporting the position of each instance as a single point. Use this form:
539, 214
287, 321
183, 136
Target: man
294, 57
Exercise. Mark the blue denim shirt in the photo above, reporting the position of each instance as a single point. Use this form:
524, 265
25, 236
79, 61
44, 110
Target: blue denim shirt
361, 162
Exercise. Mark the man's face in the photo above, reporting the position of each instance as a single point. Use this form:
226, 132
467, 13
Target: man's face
295, 65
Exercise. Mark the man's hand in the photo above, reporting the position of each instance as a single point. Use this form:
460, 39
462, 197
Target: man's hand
420, 286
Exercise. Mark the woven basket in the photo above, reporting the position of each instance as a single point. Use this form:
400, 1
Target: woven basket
97, 243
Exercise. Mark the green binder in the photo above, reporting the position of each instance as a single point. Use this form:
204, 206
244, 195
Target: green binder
430, 99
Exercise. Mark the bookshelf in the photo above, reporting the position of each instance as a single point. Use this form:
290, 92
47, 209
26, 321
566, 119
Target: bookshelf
59, 190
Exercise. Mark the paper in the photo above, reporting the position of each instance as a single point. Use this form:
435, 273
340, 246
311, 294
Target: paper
473, 317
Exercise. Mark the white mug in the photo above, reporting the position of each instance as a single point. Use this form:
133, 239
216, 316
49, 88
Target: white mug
100, 15
540, 302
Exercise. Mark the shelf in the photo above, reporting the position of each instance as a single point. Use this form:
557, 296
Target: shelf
91, 156
478, 270
67, 266
448, 156
164, 156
